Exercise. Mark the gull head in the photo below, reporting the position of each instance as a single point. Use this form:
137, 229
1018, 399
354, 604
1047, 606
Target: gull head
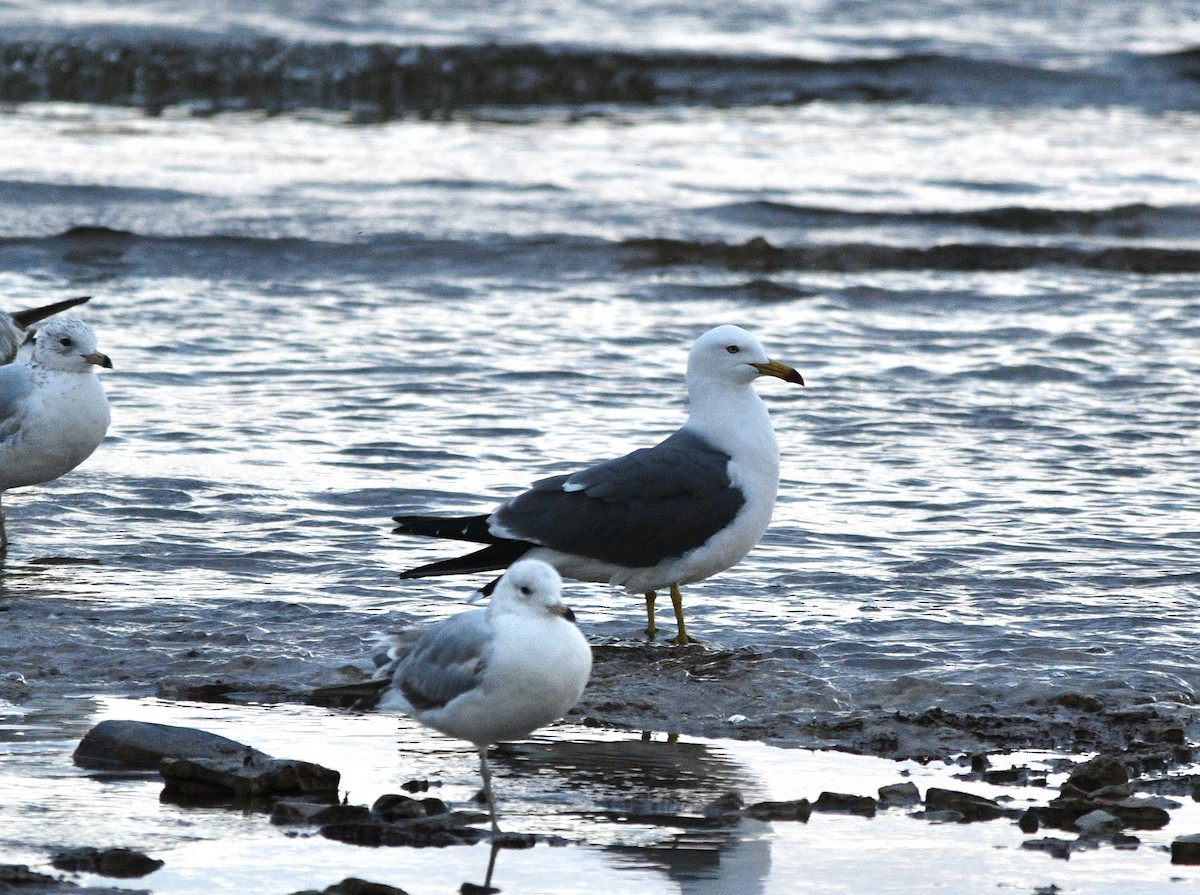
530, 586
730, 354
67, 344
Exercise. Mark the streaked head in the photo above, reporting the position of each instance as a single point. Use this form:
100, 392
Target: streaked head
531, 585
730, 353
67, 344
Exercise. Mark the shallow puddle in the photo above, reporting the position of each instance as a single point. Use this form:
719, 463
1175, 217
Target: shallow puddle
616, 811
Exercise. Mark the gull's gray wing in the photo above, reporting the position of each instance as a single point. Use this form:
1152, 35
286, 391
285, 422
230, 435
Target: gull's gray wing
446, 662
635, 511
15, 386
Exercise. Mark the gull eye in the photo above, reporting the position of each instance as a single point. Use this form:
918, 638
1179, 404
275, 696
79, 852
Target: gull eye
65, 342
526, 590
732, 349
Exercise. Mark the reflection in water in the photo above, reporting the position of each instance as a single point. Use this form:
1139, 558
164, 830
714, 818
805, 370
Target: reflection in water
646, 806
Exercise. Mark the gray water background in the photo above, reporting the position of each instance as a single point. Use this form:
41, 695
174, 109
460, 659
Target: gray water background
988, 486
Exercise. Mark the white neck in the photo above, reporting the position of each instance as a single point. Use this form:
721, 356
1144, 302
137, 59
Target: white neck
732, 417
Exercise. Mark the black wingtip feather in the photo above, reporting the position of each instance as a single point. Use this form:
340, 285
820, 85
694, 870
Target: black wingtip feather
33, 315
489, 559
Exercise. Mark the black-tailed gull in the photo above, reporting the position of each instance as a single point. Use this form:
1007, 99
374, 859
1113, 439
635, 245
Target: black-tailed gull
673, 514
14, 327
53, 412
496, 674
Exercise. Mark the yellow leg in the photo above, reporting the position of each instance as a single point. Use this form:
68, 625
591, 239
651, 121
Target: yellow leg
677, 601
651, 630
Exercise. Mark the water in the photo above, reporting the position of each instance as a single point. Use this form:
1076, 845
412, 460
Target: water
982, 252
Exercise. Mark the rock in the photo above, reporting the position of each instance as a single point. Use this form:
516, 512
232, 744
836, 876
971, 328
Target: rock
1186, 849
728, 805
124, 863
1098, 773
1125, 841
899, 795
140, 745
843, 803
796, 809
439, 830
19, 878
1140, 814
206, 778
940, 817
354, 886
1029, 822
392, 807
1056, 848
514, 840
971, 807
1097, 822
300, 811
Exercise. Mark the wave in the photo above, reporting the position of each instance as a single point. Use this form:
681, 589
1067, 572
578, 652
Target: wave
385, 81
407, 254
760, 256
1133, 221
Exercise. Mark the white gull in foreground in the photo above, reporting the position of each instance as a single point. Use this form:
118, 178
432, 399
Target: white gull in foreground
14, 327
496, 674
672, 514
53, 412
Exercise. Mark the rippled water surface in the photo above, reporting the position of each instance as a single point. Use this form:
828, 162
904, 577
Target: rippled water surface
989, 277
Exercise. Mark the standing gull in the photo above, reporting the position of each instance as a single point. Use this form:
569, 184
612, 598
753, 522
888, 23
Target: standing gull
53, 412
14, 327
496, 674
672, 514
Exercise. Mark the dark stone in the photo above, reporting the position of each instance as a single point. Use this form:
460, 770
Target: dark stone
1029, 822
796, 809
476, 889
514, 840
354, 886
124, 863
1056, 848
1186, 849
1098, 773
300, 811
415, 786
392, 807
18, 877
420, 832
899, 795
140, 745
971, 807
206, 778
1137, 814
435, 806
843, 803
727, 805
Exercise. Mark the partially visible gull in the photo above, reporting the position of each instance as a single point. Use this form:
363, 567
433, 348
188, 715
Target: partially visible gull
14, 327
672, 514
53, 412
496, 674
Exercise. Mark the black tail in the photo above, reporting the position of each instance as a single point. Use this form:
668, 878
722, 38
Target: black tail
33, 315
456, 528
490, 558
